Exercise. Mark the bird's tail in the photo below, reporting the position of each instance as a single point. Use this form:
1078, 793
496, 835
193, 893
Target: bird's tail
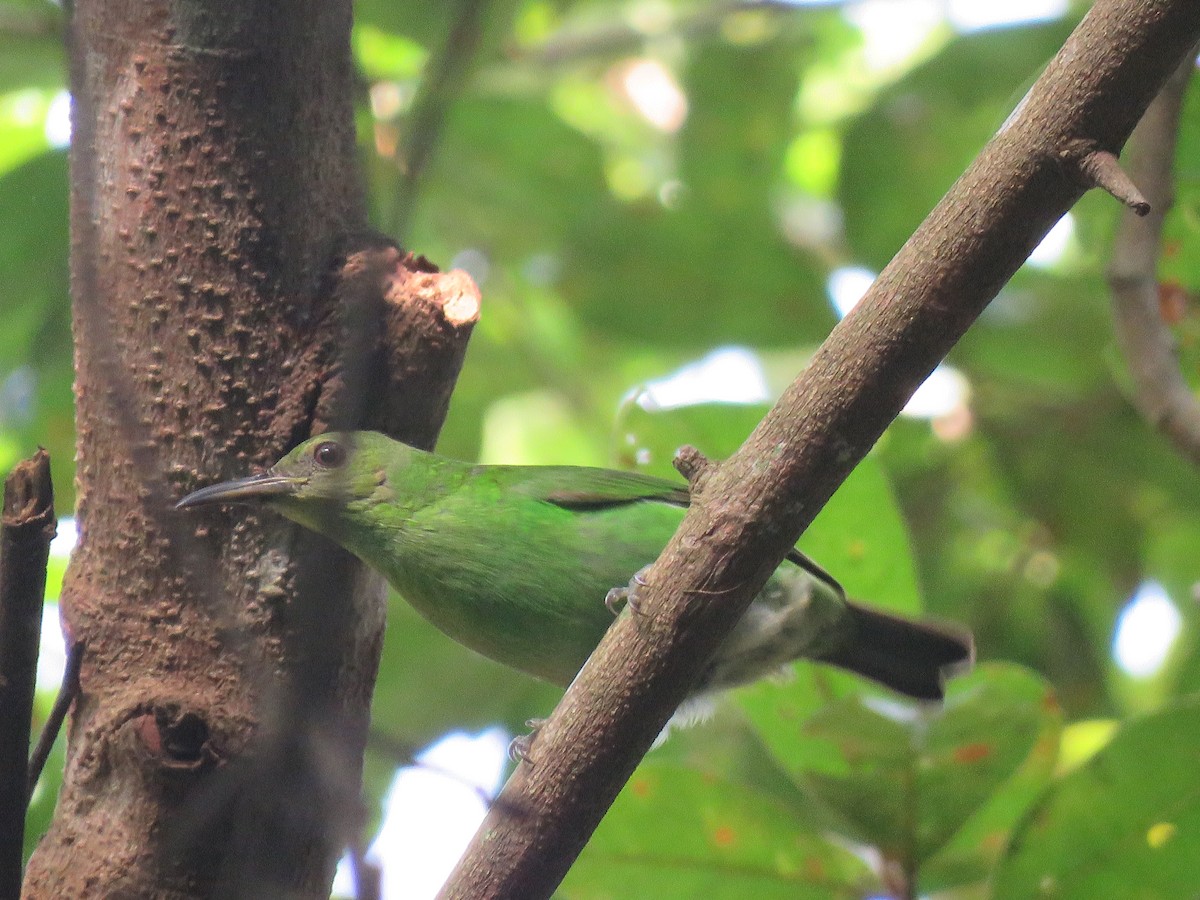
913, 658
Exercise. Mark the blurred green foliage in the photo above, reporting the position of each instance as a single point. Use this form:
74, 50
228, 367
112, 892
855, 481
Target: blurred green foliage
611, 252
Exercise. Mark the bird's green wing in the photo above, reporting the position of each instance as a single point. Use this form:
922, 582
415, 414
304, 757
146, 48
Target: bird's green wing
584, 489
580, 488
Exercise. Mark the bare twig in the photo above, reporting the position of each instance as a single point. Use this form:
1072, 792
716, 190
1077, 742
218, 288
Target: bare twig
367, 877
443, 84
613, 39
1159, 391
692, 465
25, 535
1101, 169
67, 692
756, 504
402, 754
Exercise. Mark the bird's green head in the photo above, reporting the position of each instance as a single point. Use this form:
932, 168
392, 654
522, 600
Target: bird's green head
315, 482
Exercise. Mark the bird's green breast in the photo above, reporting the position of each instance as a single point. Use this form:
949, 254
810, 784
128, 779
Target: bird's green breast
514, 577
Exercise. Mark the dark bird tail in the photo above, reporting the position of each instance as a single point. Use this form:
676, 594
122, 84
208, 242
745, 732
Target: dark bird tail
913, 658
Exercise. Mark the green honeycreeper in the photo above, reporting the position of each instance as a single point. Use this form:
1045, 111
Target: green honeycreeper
516, 562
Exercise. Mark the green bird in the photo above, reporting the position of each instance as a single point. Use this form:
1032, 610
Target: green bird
518, 562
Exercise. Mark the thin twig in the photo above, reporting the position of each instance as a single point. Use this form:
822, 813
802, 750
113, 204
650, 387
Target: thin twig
367, 876
25, 534
1160, 392
447, 74
1101, 169
403, 754
572, 45
67, 692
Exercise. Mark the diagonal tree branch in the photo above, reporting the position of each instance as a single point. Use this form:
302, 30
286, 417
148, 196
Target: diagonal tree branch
1159, 391
751, 509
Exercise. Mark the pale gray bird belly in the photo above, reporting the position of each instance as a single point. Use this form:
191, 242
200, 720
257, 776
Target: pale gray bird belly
792, 617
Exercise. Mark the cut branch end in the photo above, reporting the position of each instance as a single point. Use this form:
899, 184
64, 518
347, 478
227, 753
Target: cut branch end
692, 465
1100, 168
28, 495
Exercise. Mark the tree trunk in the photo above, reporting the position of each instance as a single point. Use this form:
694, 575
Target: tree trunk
222, 313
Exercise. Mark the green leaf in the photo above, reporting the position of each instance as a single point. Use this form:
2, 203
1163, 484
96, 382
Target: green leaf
494, 187
925, 129
677, 833
705, 237
1125, 824
31, 45
33, 260
23, 124
384, 55
904, 778
861, 538
36, 402
975, 849
535, 429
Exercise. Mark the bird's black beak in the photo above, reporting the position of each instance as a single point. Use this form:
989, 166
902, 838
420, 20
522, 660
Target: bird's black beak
243, 490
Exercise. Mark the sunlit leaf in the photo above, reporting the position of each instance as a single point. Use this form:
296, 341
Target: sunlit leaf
1126, 824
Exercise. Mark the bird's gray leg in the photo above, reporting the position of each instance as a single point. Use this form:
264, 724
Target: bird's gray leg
519, 747
626, 597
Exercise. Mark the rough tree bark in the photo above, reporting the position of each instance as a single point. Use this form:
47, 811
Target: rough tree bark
750, 510
224, 309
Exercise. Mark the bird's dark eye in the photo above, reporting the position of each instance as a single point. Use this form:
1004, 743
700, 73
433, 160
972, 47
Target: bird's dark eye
329, 455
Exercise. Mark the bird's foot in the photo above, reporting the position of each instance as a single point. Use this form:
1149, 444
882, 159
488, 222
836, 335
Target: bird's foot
519, 747
616, 599
620, 598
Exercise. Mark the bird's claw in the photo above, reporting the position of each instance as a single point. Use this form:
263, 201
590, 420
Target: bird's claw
519, 747
616, 599
626, 597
